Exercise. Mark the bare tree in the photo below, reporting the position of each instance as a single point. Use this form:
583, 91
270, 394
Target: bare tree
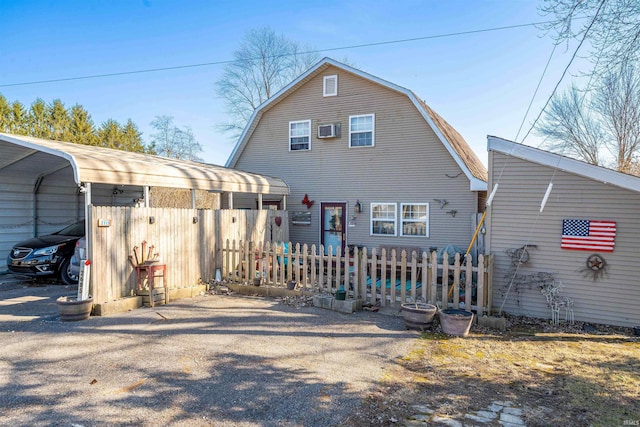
570, 128
587, 125
611, 26
264, 64
172, 141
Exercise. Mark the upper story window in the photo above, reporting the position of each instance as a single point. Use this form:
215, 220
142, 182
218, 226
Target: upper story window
300, 135
362, 130
330, 86
414, 219
383, 219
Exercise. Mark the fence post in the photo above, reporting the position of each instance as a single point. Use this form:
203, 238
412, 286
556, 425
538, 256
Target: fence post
456, 281
374, 276
313, 266
393, 268
338, 265
434, 277
403, 276
414, 274
445, 280
383, 277
480, 286
468, 286
321, 270
347, 270
425, 275
363, 273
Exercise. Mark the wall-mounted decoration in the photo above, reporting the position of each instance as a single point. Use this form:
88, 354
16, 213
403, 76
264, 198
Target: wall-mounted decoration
443, 202
596, 267
307, 202
301, 218
588, 235
519, 255
278, 220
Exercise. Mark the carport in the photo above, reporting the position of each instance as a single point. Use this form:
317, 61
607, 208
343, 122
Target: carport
48, 184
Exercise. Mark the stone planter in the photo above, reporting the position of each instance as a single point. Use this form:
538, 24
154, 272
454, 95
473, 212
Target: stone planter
456, 322
418, 315
72, 310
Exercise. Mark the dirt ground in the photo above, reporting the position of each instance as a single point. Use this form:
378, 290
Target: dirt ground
578, 375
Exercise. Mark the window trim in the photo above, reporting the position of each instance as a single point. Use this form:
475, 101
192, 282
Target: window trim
373, 130
325, 93
308, 122
403, 220
395, 219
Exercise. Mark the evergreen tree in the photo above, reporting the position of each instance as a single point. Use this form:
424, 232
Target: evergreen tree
37, 120
5, 114
18, 119
81, 127
132, 138
110, 134
58, 122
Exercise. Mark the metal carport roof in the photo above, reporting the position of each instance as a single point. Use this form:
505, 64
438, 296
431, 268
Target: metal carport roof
91, 164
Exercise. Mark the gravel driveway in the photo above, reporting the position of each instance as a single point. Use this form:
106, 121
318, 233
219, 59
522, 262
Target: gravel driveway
212, 360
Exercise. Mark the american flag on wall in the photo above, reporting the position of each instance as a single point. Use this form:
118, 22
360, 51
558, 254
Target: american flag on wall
588, 235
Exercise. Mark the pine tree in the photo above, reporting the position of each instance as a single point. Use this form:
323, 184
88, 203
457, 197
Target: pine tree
81, 127
38, 125
58, 121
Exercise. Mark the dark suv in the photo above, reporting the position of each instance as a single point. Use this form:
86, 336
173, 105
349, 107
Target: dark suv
47, 256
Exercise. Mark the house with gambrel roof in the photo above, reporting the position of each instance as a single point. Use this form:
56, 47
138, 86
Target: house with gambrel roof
367, 162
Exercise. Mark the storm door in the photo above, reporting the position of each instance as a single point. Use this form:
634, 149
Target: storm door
333, 228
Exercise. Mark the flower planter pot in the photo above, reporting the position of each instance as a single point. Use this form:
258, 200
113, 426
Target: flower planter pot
72, 310
291, 285
456, 322
418, 315
341, 295
257, 281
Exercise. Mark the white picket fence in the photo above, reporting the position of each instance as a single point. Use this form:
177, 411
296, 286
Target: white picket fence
378, 278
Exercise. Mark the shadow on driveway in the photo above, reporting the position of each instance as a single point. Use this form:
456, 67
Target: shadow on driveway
210, 360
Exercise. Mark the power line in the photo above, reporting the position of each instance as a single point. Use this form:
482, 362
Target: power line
209, 64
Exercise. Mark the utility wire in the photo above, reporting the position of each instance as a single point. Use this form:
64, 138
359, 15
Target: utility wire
555, 170
224, 62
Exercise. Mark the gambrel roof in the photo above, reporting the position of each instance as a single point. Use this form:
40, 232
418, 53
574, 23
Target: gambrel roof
455, 144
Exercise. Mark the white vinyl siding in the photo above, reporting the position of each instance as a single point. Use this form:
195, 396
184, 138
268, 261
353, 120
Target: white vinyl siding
383, 219
362, 130
414, 219
300, 135
330, 85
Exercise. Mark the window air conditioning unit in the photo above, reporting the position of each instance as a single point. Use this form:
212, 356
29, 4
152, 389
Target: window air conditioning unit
327, 131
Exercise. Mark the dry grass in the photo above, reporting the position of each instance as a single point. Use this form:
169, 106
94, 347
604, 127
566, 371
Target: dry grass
558, 377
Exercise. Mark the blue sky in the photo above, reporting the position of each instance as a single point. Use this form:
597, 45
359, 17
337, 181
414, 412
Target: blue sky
481, 83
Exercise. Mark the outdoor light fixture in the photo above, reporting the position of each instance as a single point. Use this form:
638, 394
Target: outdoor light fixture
357, 208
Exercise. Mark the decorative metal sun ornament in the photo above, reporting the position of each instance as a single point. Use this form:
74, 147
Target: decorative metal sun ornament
596, 267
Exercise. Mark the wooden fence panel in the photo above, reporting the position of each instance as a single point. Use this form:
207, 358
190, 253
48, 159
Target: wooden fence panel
367, 277
185, 239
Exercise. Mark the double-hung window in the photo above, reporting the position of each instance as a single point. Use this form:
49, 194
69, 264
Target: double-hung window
362, 130
300, 135
414, 219
383, 219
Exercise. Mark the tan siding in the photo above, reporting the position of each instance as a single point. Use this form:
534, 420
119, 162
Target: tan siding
407, 164
515, 220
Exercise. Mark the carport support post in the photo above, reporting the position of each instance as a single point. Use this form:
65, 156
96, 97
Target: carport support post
193, 198
146, 196
230, 199
260, 201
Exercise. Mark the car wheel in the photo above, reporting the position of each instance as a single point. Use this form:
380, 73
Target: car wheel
65, 273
